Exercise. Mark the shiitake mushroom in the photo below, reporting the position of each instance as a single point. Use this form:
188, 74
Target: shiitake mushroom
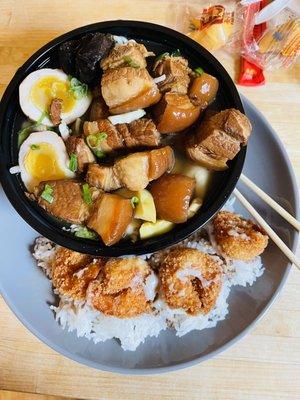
81, 58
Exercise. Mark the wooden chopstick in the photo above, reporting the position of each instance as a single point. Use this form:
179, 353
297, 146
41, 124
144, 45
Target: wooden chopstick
276, 239
272, 203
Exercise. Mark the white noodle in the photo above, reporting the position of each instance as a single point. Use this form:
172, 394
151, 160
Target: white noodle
160, 78
127, 117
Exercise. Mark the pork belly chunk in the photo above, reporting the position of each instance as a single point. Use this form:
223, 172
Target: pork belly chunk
219, 139
110, 217
113, 140
77, 146
139, 133
177, 72
67, 200
127, 89
129, 54
133, 172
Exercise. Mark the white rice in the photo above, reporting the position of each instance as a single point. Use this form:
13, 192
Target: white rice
92, 324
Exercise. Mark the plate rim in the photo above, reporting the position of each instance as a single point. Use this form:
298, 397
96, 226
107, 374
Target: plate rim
197, 360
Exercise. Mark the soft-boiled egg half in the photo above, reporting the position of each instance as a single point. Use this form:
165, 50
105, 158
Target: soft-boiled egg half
40, 87
43, 157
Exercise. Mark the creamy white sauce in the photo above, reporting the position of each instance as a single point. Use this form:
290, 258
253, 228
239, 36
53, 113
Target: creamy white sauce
205, 88
136, 281
150, 286
79, 274
236, 233
184, 274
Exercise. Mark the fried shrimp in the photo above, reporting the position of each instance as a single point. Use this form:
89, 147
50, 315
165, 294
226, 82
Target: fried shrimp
190, 280
125, 288
237, 237
72, 272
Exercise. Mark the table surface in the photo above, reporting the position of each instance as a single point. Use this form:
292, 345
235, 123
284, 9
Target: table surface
263, 365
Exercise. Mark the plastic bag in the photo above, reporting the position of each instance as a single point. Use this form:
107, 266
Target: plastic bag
211, 24
276, 45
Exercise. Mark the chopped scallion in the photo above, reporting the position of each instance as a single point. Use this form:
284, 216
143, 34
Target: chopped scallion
102, 135
41, 119
134, 201
77, 88
95, 139
129, 61
34, 147
25, 132
99, 153
92, 141
199, 71
162, 56
176, 53
85, 233
86, 194
73, 162
47, 193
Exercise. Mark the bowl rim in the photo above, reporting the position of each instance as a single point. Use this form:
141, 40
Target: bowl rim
43, 226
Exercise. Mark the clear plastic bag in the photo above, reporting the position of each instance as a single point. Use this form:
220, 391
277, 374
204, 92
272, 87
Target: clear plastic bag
271, 45
210, 24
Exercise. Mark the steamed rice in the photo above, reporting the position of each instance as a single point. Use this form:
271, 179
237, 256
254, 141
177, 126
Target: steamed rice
87, 322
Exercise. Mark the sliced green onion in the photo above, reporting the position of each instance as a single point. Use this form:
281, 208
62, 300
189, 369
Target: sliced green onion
86, 194
102, 135
95, 139
176, 53
85, 233
199, 71
92, 141
47, 193
25, 132
42, 117
73, 162
34, 147
162, 56
77, 88
134, 201
98, 153
129, 61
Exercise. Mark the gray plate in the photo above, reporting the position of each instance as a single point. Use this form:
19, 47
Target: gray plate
28, 292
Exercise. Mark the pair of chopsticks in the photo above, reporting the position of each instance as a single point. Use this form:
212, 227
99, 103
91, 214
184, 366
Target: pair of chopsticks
272, 203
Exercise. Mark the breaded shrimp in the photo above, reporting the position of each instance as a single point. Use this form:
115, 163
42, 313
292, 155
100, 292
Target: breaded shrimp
237, 237
190, 280
72, 272
125, 288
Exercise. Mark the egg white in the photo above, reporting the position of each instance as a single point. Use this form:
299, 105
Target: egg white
60, 150
34, 113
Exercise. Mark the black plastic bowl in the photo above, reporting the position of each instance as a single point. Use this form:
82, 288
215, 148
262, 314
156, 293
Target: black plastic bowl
158, 39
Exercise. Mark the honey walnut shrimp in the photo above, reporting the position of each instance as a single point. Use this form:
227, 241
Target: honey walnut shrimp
237, 237
190, 280
120, 290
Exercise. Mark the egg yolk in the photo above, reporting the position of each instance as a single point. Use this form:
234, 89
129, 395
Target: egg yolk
42, 165
48, 88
